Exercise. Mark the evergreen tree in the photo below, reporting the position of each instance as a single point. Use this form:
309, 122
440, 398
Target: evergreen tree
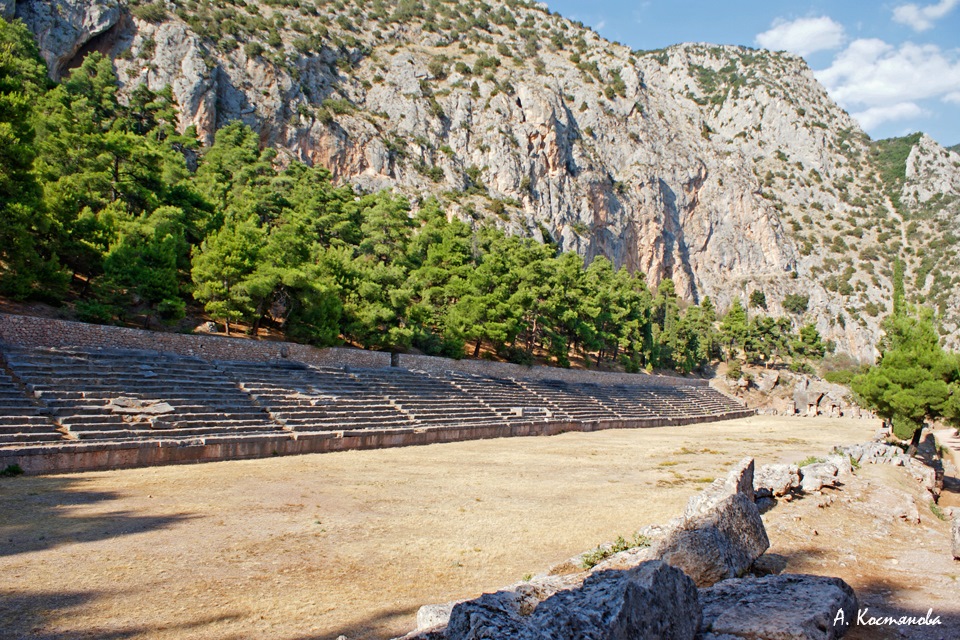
734, 329
222, 264
28, 261
915, 379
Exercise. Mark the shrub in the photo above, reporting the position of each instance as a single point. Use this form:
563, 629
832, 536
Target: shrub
150, 12
601, 553
11, 470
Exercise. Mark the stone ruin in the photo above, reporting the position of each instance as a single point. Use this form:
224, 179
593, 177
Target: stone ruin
698, 576
783, 393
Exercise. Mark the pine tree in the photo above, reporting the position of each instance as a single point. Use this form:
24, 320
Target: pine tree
222, 264
915, 379
28, 263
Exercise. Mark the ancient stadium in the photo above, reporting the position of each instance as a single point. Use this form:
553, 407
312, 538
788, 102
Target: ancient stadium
351, 543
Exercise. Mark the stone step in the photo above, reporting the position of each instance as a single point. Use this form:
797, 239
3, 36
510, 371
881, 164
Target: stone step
168, 434
23, 420
11, 439
27, 427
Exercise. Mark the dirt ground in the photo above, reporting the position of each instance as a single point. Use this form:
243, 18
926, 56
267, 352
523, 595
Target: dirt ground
352, 543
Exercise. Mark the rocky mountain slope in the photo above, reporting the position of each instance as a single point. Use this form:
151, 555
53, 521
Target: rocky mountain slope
724, 168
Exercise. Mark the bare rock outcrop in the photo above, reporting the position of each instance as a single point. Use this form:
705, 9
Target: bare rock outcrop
786, 607
63, 27
8, 9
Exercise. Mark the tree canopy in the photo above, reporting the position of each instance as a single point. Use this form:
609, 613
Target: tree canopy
915, 379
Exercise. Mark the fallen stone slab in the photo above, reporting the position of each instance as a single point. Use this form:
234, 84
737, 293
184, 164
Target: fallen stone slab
781, 607
778, 479
721, 533
813, 477
137, 406
652, 600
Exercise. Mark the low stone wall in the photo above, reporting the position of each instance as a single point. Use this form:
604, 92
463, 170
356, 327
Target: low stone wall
28, 331
92, 456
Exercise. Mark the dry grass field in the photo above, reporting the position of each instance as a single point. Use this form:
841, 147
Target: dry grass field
350, 543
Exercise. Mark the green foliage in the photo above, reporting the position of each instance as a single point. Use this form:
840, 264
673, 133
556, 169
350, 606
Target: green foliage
11, 471
796, 303
890, 158
29, 263
150, 12
938, 512
915, 379
602, 552
758, 299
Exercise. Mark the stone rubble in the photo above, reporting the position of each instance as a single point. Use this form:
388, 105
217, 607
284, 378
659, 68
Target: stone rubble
652, 591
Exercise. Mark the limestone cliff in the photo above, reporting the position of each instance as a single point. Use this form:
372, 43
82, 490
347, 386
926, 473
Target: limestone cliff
726, 169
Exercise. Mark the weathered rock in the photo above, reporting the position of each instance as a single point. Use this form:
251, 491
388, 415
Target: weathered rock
956, 536
896, 504
489, 617
925, 475
721, 534
434, 615
779, 479
810, 484
437, 633
7, 9
813, 477
653, 600
63, 27
785, 607
136, 406
740, 479
767, 380
765, 504
842, 463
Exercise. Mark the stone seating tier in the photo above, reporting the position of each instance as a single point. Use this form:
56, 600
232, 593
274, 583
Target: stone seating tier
57, 396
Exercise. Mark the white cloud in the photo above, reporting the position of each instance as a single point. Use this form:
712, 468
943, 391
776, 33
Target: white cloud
875, 116
952, 97
804, 36
871, 73
922, 18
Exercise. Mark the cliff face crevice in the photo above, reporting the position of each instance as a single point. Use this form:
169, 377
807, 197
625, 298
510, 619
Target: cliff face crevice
724, 168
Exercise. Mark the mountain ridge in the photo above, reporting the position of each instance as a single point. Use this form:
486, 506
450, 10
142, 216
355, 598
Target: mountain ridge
724, 168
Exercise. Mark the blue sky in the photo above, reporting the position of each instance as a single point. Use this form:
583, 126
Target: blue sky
895, 66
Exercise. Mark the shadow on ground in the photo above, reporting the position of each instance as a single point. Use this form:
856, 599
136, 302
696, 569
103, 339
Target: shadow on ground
38, 513
36, 616
371, 627
881, 610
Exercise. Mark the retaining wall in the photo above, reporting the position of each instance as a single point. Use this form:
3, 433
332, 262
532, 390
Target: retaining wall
72, 457
29, 331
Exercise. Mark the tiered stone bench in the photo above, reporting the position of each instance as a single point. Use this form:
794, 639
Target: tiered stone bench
22, 420
72, 409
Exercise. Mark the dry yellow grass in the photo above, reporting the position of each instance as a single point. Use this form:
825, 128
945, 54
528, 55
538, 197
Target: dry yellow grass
352, 543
